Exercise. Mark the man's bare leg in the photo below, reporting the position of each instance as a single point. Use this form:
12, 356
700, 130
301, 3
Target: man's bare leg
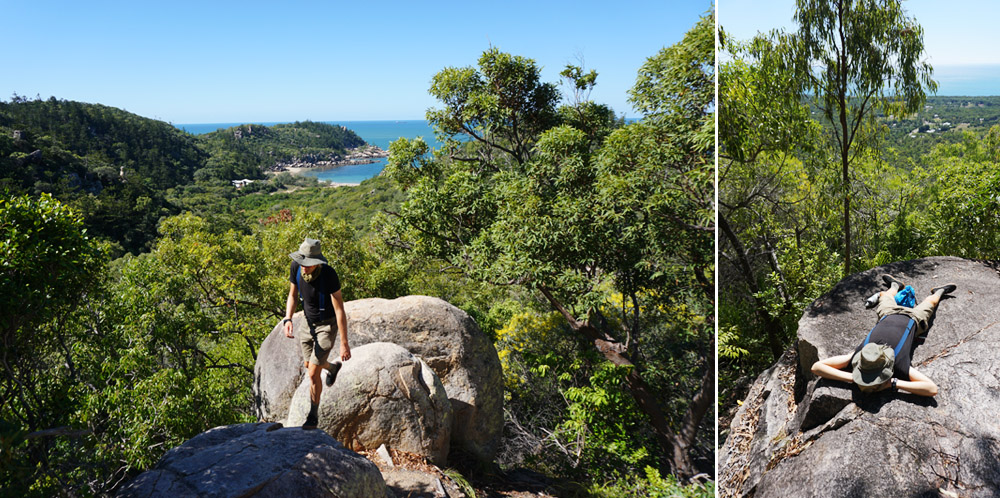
938, 292
315, 390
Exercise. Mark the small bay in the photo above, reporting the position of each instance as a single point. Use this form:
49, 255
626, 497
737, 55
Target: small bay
380, 133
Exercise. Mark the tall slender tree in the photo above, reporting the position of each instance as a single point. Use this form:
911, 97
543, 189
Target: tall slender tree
864, 59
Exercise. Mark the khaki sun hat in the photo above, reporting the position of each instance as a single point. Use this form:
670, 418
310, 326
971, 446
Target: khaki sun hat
872, 366
309, 254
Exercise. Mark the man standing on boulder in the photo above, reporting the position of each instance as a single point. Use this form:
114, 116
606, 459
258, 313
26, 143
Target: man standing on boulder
882, 361
319, 287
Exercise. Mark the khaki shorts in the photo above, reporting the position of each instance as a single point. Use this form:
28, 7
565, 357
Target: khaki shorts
317, 342
921, 313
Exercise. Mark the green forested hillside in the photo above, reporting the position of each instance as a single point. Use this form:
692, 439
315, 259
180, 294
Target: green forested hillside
107, 139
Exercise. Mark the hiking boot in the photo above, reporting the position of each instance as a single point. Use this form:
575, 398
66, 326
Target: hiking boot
889, 280
312, 420
331, 373
947, 288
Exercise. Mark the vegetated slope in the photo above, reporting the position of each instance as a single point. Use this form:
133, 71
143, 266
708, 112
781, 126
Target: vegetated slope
246, 151
356, 205
106, 139
942, 120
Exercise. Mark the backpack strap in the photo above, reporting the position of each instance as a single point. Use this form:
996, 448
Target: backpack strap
899, 347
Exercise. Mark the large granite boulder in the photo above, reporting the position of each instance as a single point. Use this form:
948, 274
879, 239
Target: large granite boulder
259, 460
445, 337
383, 395
799, 436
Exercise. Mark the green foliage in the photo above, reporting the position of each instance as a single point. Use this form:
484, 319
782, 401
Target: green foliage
125, 173
48, 266
47, 262
652, 485
355, 205
461, 481
943, 120
503, 103
676, 86
959, 209
161, 350
579, 211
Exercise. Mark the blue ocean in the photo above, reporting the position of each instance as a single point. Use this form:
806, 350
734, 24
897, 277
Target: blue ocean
380, 133
967, 80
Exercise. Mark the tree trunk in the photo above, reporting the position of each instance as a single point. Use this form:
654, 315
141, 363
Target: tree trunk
845, 140
772, 327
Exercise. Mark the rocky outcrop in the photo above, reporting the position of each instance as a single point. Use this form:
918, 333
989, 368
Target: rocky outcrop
451, 343
383, 395
795, 435
445, 337
259, 460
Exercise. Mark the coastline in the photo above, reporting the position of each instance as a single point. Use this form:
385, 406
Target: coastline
297, 171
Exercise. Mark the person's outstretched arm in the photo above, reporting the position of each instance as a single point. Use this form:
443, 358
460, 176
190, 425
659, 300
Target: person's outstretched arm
918, 384
830, 368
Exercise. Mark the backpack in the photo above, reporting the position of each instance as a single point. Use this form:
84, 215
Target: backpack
906, 297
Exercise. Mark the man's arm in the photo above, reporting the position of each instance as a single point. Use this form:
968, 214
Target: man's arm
830, 368
338, 306
290, 309
918, 384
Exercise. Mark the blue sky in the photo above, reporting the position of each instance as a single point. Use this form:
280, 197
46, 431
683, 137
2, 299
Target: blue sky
249, 61
957, 32
959, 36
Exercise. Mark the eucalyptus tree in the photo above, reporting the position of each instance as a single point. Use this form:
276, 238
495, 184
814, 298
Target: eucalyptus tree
567, 202
864, 59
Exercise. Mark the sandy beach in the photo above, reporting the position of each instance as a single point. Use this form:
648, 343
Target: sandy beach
299, 171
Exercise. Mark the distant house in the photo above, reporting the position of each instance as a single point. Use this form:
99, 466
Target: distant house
242, 183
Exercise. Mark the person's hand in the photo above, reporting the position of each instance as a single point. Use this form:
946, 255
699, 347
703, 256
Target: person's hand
345, 352
288, 330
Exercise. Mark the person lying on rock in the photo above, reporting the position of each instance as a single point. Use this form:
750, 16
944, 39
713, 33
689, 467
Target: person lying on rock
319, 287
882, 360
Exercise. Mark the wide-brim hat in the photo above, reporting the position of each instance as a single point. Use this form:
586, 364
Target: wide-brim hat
309, 254
872, 366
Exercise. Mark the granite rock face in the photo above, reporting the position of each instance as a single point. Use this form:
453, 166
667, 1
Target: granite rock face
383, 395
445, 337
259, 460
798, 436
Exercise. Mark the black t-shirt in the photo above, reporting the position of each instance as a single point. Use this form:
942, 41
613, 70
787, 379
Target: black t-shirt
889, 331
328, 283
